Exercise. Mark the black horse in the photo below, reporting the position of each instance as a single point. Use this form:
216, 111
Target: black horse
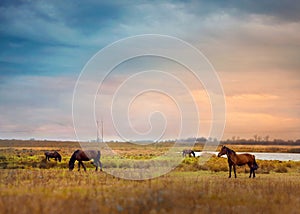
188, 152
87, 155
239, 160
54, 155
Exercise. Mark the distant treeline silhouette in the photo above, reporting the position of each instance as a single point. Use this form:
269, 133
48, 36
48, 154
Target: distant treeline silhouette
236, 141
273, 142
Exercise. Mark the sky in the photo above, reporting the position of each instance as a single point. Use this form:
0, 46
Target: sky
254, 48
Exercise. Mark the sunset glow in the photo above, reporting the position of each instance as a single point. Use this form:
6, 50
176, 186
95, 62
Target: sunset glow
253, 48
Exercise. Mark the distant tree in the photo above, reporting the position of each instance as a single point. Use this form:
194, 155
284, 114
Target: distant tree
267, 138
255, 138
201, 139
259, 138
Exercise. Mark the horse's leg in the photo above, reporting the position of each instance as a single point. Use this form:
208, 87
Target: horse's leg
234, 170
251, 170
253, 173
83, 166
79, 165
230, 167
100, 164
96, 164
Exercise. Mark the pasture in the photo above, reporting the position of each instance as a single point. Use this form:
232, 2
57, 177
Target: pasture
29, 184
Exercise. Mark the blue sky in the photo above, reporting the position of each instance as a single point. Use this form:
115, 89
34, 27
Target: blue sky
253, 46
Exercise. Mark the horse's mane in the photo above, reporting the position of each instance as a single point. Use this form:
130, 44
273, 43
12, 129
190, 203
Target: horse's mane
230, 150
73, 157
57, 153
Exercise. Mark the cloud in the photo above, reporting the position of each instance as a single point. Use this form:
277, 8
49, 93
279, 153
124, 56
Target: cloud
246, 125
277, 10
254, 47
31, 103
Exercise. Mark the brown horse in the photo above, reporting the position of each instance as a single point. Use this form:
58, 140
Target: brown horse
188, 152
54, 155
240, 160
87, 155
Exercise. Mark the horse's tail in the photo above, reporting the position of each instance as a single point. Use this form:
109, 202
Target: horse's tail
255, 165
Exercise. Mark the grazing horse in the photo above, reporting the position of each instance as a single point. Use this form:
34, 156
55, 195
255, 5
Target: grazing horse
54, 155
87, 155
188, 152
240, 160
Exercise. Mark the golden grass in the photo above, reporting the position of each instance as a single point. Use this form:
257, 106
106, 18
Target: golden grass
61, 191
190, 188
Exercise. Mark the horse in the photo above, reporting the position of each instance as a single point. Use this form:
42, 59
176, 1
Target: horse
239, 160
54, 155
188, 152
87, 155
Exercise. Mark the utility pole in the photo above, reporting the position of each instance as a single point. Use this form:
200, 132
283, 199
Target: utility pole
102, 128
97, 140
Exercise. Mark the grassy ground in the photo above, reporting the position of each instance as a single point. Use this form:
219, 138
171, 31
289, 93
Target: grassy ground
29, 184
61, 191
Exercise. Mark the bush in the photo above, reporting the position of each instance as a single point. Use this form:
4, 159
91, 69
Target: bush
110, 164
2, 158
281, 169
44, 164
294, 150
265, 166
124, 165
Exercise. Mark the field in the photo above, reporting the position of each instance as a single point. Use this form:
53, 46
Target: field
29, 184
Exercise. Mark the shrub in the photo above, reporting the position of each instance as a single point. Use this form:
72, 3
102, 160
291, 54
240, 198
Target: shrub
294, 150
124, 165
281, 169
288, 164
110, 164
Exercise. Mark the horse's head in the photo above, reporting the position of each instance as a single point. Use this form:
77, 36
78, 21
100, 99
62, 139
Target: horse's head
59, 157
223, 151
71, 165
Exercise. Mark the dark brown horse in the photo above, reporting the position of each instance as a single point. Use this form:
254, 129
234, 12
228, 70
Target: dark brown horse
87, 155
54, 155
239, 160
188, 152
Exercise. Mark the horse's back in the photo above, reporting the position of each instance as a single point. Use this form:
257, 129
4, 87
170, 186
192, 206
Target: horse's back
245, 158
88, 154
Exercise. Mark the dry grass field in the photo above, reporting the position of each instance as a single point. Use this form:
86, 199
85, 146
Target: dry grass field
28, 184
61, 191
